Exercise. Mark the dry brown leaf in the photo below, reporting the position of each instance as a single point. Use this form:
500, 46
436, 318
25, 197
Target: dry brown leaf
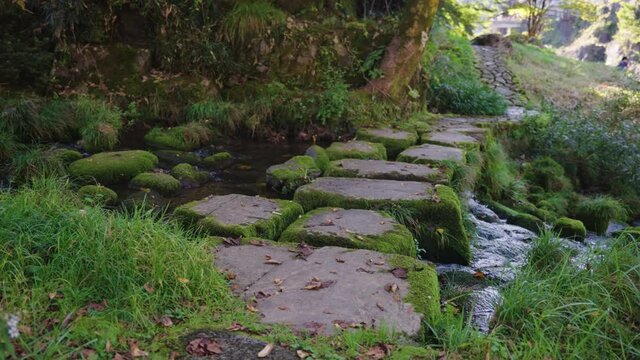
252, 308
231, 275
278, 281
266, 351
273, 262
149, 288
400, 273
340, 260
203, 347
380, 306
301, 354
391, 287
135, 351
183, 280
166, 321
479, 275
236, 327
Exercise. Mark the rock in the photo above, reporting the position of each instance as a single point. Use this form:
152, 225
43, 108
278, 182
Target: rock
592, 52
452, 138
184, 137
148, 200
352, 288
570, 228
356, 150
189, 175
353, 228
527, 221
319, 155
113, 167
388, 170
240, 215
66, 155
435, 208
393, 140
297, 171
221, 160
98, 194
493, 40
175, 157
432, 154
165, 184
235, 347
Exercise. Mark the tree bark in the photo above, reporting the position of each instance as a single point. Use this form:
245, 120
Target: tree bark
402, 56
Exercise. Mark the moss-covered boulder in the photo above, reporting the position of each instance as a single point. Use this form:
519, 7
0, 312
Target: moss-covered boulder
353, 228
570, 228
297, 171
240, 215
165, 184
189, 175
67, 156
548, 174
113, 167
388, 170
395, 141
527, 221
184, 138
432, 155
175, 157
221, 160
319, 155
98, 194
356, 150
436, 209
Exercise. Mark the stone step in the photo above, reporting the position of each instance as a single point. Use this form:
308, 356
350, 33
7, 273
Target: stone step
433, 209
451, 138
352, 228
432, 154
325, 289
394, 140
388, 170
356, 150
288, 176
240, 215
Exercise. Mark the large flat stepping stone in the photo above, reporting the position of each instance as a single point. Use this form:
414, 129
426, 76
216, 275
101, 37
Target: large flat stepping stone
240, 215
328, 288
451, 138
356, 150
393, 140
433, 209
352, 228
432, 154
387, 170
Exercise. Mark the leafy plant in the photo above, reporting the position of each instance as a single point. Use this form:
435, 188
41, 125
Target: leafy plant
369, 68
249, 19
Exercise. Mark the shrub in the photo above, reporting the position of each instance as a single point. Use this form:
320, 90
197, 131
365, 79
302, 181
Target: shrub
597, 212
185, 137
548, 174
249, 19
7, 144
29, 120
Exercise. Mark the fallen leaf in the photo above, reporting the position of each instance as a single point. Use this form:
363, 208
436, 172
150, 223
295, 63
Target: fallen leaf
107, 346
340, 260
262, 295
256, 242
278, 281
135, 351
266, 351
97, 306
166, 321
400, 273
148, 288
183, 280
283, 308
361, 269
117, 356
203, 347
236, 327
391, 287
380, 306
479, 275
382, 222
231, 275
301, 354
251, 308
327, 222
273, 262
55, 295
379, 262
379, 351
317, 284
304, 251
435, 198
231, 241
335, 209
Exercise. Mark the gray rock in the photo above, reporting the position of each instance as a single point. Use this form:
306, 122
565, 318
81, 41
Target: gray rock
451, 138
387, 170
431, 154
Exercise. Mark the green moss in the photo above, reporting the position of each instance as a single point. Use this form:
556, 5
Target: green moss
319, 155
437, 224
294, 173
175, 157
414, 353
98, 194
356, 150
185, 137
424, 289
113, 167
270, 228
165, 184
548, 174
597, 212
399, 240
393, 145
570, 228
66, 155
189, 174
515, 217
218, 161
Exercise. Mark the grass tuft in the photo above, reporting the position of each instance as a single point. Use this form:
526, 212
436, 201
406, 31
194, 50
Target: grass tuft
249, 19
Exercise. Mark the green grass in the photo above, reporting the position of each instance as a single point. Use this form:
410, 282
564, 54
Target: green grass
498, 178
99, 124
29, 163
32, 120
218, 115
597, 212
249, 19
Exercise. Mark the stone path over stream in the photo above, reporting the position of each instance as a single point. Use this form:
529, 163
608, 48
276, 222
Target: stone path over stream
490, 63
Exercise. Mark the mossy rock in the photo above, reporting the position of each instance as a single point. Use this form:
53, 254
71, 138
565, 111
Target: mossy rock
221, 160
297, 171
394, 141
430, 154
240, 215
354, 228
189, 175
424, 288
356, 150
67, 156
548, 174
98, 194
319, 155
596, 213
570, 228
388, 170
175, 157
451, 138
178, 138
436, 209
165, 184
113, 167
527, 221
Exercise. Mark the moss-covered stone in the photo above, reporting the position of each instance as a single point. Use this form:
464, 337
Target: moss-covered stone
436, 210
98, 194
165, 184
355, 228
356, 150
219, 160
175, 157
319, 155
67, 156
596, 213
424, 289
189, 175
451, 138
113, 167
184, 138
388, 170
570, 228
297, 171
431, 154
394, 141
240, 215
548, 174
527, 221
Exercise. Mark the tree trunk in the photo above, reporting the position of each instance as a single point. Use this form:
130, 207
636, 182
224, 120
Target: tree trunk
403, 54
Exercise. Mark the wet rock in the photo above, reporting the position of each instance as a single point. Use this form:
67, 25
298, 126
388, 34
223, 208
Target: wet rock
240, 215
570, 228
165, 184
98, 194
388, 170
175, 157
218, 161
235, 347
356, 150
333, 287
113, 167
319, 155
452, 138
354, 228
431, 154
295, 172
393, 140
189, 176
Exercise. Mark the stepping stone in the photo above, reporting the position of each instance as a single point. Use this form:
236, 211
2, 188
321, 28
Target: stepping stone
436, 208
451, 138
432, 154
388, 170
393, 140
352, 228
356, 150
297, 171
237, 215
231, 346
323, 289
